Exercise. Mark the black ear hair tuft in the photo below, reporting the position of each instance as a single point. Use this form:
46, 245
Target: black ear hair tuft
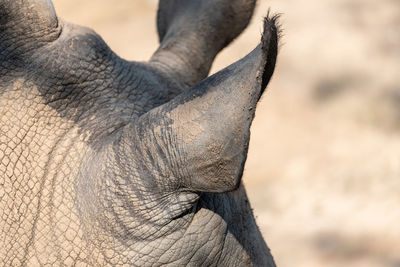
270, 43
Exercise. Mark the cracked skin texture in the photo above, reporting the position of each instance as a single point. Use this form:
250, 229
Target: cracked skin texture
109, 162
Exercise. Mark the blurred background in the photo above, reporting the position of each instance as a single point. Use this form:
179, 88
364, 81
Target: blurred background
323, 172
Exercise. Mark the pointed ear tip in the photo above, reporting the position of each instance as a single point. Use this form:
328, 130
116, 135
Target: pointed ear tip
272, 28
269, 47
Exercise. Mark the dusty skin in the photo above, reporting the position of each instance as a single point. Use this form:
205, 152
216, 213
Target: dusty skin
324, 162
323, 172
97, 165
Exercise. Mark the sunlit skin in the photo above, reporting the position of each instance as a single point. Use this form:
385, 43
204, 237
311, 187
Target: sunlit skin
110, 162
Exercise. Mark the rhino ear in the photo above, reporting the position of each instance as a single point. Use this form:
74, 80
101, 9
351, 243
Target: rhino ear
25, 24
201, 137
193, 32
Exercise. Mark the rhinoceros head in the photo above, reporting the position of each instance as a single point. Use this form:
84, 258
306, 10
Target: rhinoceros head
109, 162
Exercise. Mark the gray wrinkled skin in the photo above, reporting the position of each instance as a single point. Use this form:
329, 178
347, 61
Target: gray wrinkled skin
110, 162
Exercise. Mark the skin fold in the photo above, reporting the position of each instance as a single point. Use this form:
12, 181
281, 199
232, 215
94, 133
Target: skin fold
106, 162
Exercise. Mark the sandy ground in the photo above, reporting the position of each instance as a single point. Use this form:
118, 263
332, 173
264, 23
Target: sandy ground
323, 172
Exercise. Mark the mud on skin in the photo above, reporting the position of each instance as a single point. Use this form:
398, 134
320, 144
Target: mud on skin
110, 162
